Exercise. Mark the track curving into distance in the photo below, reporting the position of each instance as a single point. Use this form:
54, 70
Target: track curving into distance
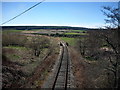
61, 78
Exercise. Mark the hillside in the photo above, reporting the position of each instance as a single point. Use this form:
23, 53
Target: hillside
43, 27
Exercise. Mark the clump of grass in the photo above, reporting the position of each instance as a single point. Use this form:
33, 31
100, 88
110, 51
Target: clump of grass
15, 56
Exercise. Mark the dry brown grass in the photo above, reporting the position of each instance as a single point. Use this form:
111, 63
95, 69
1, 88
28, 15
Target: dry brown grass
31, 74
21, 68
88, 74
78, 69
41, 72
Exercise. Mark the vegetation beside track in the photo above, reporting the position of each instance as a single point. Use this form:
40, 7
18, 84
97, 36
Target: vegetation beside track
21, 56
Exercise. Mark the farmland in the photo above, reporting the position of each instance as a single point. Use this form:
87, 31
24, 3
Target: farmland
20, 55
19, 50
66, 45
29, 56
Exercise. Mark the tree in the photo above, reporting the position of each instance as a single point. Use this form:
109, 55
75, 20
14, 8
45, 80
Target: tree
113, 17
81, 46
111, 37
38, 43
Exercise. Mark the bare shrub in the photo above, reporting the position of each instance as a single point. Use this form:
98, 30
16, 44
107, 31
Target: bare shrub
37, 44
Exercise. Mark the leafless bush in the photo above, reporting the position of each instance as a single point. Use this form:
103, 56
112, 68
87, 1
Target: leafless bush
37, 44
90, 45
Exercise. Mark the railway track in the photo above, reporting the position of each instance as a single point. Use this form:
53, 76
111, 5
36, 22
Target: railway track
61, 75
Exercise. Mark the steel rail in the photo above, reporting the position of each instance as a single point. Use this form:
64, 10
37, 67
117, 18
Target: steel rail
66, 81
62, 58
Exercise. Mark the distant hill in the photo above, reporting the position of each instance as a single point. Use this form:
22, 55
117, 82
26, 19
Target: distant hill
44, 27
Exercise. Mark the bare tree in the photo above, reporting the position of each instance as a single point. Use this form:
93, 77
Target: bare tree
111, 37
81, 45
96, 40
113, 17
38, 43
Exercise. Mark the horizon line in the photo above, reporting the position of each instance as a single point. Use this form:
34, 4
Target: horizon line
84, 26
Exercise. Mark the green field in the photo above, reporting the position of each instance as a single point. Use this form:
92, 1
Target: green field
70, 41
11, 31
75, 33
78, 30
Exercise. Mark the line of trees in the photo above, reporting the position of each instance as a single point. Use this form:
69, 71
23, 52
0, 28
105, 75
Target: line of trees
43, 27
60, 35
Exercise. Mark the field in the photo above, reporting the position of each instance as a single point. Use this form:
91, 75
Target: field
56, 45
29, 56
21, 60
19, 52
78, 31
75, 33
14, 31
70, 41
